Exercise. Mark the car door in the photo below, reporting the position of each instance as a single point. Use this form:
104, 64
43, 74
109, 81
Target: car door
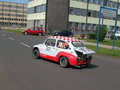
31, 31
40, 30
49, 49
62, 46
36, 31
65, 33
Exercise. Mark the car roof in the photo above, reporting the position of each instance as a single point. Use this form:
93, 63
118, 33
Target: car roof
35, 27
67, 39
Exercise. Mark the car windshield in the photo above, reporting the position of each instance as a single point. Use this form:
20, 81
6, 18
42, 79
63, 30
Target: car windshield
77, 44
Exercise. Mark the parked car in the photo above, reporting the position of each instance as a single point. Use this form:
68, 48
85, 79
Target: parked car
34, 30
108, 35
64, 50
111, 35
63, 33
117, 34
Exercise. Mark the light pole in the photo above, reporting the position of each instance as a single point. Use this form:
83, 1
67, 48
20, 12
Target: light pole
115, 25
86, 26
117, 4
2, 25
104, 4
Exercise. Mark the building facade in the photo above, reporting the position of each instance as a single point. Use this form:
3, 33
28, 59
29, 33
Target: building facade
80, 16
13, 15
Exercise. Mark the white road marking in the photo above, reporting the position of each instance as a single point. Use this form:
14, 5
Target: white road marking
11, 38
25, 44
3, 35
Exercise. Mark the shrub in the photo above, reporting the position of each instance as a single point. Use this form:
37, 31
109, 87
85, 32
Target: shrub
102, 33
92, 36
112, 37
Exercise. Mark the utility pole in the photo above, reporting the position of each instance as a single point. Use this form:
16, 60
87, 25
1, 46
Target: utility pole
117, 4
113, 42
2, 25
86, 26
104, 4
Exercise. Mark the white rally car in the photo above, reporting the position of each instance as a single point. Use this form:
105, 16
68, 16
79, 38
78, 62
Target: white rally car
65, 50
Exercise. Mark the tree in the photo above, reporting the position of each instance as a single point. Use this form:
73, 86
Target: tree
102, 33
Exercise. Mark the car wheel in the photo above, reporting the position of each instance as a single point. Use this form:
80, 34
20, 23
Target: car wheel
35, 53
39, 34
63, 62
57, 35
26, 33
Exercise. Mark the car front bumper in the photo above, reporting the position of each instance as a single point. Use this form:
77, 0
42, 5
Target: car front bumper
83, 62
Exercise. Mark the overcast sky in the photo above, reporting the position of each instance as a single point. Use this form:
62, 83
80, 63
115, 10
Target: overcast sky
16, 1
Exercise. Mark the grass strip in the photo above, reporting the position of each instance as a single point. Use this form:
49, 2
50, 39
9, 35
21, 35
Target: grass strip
18, 31
104, 51
105, 42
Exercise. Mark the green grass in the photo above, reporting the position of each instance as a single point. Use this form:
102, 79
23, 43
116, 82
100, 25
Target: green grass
105, 42
104, 51
18, 31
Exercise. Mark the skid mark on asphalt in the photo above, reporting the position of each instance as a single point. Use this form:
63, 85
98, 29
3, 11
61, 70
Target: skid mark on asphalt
25, 44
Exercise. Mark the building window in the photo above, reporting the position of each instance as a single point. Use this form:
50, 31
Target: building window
89, 13
31, 10
37, 9
95, 1
109, 4
88, 27
114, 5
93, 27
100, 2
83, 26
71, 11
43, 8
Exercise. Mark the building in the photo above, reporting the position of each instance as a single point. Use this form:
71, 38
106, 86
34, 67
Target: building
13, 15
70, 14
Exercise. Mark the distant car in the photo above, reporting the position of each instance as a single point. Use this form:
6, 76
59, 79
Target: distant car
63, 33
34, 30
117, 34
108, 35
65, 50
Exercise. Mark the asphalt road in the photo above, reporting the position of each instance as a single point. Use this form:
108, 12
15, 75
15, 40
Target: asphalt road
19, 71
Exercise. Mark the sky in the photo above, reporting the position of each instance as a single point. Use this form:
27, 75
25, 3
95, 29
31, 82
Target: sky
16, 1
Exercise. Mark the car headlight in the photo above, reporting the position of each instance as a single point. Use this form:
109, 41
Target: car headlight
88, 56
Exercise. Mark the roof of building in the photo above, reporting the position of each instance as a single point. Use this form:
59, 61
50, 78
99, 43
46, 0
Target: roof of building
67, 39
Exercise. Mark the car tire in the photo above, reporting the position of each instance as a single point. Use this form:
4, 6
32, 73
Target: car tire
39, 34
26, 33
36, 53
63, 61
57, 35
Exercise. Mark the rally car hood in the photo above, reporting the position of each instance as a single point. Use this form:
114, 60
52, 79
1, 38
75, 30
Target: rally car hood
84, 50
